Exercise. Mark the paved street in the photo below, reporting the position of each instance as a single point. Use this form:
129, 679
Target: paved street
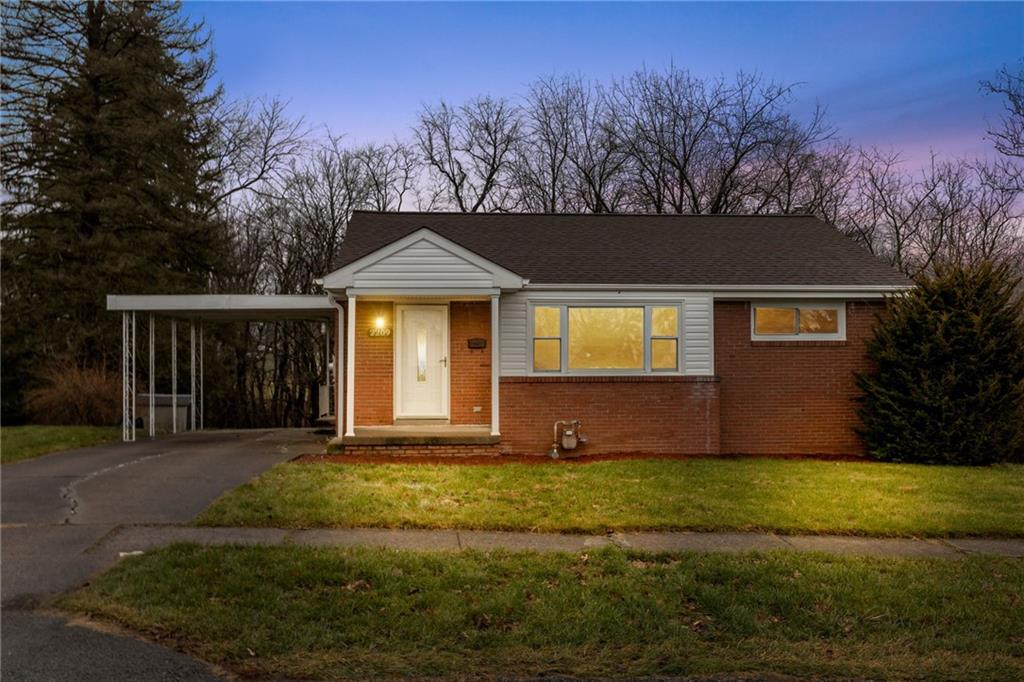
57, 510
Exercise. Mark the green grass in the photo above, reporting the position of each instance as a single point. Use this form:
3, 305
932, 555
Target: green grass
355, 613
790, 496
24, 442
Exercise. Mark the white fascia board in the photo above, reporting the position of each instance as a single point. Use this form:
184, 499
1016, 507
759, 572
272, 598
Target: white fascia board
221, 303
744, 291
391, 293
343, 278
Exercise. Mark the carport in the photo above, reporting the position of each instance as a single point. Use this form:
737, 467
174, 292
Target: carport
194, 310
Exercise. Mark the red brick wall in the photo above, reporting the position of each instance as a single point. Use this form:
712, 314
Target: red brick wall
422, 450
782, 397
375, 360
470, 374
651, 414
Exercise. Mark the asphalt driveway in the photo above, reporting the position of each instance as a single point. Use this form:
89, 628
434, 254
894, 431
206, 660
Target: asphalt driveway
56, 510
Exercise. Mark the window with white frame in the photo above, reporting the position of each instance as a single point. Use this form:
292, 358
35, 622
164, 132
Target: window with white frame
605, 338
798, 321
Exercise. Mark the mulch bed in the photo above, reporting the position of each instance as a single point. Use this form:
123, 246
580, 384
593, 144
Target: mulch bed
480, 460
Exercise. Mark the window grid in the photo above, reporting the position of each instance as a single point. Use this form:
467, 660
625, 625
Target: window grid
652, 337
562, 339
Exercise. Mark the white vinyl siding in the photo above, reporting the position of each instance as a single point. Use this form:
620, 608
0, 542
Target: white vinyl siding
697, 326
698, 334
422, 263
513, 334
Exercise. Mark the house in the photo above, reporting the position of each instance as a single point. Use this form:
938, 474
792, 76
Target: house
475, 333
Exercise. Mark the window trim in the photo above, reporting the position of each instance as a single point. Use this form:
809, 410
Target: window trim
564, 304
807, 337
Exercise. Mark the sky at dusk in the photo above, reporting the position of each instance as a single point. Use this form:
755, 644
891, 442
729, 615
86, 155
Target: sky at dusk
894, 75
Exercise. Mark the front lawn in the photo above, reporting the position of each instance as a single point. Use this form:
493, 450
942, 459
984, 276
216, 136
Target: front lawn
297, 612
790, 496
24, 442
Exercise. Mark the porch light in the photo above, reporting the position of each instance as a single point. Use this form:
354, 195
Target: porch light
379, 322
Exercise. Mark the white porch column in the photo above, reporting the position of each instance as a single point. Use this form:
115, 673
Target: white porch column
339, 371
495, 361
350, 373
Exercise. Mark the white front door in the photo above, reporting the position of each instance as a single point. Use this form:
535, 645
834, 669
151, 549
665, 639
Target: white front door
421, 361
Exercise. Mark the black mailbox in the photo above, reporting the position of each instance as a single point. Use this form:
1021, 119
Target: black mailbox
478, 343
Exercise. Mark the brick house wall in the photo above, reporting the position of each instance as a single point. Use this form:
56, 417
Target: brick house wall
375, 363
783, 397
767, 397
649, 414
470, 374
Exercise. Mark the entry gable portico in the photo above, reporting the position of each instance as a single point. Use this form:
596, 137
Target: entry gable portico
422, 262
418, 275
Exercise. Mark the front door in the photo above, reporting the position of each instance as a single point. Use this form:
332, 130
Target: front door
421, 361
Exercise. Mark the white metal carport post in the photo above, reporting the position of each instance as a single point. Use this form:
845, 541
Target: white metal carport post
151, 378
128, 376
174, 376
202, 381
192, 370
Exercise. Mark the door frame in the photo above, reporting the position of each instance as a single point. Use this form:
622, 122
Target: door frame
397, 366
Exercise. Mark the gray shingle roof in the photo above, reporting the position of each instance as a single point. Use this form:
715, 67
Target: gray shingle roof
641, 249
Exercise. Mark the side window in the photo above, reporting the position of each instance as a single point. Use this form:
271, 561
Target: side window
798, 321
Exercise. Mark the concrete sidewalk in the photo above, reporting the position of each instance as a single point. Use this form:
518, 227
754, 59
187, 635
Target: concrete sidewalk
127, 539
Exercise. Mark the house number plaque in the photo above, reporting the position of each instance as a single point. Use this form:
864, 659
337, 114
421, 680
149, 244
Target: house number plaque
380, 331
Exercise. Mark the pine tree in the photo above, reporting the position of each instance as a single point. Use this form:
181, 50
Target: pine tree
110, 123
948, 382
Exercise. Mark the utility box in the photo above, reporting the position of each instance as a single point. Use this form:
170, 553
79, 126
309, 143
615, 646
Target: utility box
162, 412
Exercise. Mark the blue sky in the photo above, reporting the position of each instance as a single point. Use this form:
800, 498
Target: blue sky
901, 75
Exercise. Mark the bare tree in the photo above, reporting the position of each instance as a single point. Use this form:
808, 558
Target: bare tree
698, 146
391, 171
1009, 135
541, 167
952, 211
468, 151
256, 142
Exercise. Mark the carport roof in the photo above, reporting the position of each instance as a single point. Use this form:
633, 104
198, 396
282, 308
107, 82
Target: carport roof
227, 306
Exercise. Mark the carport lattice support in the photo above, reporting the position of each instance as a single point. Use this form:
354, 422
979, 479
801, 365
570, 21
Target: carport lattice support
202, 383
192, 370
174, 376
128, 376
151, 377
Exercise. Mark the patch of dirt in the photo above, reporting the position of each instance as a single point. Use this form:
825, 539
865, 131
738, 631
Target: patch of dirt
486, 460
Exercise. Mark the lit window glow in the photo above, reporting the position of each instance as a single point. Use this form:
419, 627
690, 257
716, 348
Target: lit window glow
590, 339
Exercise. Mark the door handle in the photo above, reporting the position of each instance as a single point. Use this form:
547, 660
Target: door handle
444, 361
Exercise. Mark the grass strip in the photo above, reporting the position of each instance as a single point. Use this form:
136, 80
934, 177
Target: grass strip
354, 613
25, 442
788, 496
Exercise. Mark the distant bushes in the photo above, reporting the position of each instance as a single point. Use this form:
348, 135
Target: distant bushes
948, 383
73, 394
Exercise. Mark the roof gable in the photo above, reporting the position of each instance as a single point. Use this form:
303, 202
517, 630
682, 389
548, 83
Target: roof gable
422, 259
